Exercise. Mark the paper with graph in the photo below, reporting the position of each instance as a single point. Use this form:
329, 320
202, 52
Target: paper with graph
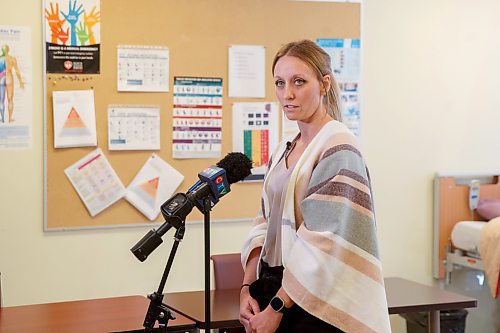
255, 132
155, 183
74, 118
95, 181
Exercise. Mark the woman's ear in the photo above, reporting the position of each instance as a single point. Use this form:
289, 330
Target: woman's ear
325, 84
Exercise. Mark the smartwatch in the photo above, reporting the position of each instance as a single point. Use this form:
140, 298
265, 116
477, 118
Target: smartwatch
278, 305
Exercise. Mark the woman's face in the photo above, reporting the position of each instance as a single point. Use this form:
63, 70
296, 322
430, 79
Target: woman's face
298, 90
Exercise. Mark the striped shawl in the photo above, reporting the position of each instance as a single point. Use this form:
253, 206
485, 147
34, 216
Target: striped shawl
332, 266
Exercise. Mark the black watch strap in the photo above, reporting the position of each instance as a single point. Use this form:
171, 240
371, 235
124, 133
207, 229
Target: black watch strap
278, 305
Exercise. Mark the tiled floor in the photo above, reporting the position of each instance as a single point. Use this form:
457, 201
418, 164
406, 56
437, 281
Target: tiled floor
486, 317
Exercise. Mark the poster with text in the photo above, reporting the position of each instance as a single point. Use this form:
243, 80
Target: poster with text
154, 184
95, 181
197, 117
256, 132
345, 61
74, 118
72, 36
16, 89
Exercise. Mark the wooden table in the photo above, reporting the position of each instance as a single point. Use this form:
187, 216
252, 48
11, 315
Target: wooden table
97, 315
403, 296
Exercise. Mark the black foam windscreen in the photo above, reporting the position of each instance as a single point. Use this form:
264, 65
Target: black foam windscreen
237, 166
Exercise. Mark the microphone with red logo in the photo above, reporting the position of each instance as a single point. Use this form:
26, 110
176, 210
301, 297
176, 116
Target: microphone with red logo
214, 180
213, 183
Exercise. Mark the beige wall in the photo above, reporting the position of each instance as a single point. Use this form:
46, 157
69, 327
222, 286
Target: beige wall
431, 72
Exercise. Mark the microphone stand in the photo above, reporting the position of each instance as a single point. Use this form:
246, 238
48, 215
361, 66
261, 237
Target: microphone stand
157, 311
207, 206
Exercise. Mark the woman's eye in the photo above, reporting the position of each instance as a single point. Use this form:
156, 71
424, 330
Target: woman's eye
299, 82
279, 83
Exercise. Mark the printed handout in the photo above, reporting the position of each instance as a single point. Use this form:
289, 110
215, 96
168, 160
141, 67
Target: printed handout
74, 118
143, 68
95, 181
255, 132
133, 127
152, 186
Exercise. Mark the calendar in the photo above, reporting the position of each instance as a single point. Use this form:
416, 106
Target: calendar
133, 128
143, 68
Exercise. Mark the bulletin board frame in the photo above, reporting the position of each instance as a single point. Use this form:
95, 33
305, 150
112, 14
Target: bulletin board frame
198, 35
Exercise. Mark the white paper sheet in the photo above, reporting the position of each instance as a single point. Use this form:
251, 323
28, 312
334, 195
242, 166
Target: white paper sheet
247, 64
255, 132
154, 184
95, 181
74, 118
143, 68
16, 126
133, 127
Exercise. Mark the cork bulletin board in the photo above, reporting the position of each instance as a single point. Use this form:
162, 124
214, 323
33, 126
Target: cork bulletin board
198, 35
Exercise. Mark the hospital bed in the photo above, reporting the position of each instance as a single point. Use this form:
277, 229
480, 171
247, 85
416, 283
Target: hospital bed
457, 225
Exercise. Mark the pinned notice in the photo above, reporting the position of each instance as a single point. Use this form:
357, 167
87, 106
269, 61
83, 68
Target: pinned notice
74, 118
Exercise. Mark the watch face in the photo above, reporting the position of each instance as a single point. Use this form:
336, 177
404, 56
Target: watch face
277, 304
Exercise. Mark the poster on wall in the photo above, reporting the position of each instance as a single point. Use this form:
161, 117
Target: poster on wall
95, 181
255, 133
16, 110
133, 127
197, 117
247, 65
345, 58
142, 68
72, 36
74, 118
152, 186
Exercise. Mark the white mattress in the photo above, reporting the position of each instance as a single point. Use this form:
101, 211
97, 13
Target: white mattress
466, 234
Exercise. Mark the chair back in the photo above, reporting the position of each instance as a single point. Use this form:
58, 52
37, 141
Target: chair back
228, 272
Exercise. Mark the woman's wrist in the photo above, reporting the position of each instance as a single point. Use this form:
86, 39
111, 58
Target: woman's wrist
244, 286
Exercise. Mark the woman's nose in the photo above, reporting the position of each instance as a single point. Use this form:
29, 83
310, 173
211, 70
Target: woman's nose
289, 94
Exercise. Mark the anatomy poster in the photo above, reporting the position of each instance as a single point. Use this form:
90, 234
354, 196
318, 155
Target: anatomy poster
16, 110
74, 118
72, 36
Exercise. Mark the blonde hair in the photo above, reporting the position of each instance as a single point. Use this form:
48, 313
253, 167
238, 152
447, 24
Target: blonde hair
319, 61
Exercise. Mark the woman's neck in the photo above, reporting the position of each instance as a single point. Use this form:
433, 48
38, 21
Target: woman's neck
308, 130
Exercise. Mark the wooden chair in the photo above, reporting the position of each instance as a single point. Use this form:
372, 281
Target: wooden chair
228, 274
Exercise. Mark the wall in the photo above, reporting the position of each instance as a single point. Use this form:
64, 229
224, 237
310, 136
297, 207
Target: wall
430, 75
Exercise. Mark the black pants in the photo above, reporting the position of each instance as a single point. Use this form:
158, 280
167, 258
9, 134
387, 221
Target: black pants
296, 319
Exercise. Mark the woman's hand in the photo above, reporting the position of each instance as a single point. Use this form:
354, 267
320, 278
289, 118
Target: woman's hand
266, 321
248, 308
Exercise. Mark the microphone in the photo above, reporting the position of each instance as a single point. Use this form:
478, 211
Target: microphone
213, 183
214, 180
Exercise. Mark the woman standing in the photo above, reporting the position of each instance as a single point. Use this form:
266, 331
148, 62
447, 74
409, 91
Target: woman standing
311, 259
